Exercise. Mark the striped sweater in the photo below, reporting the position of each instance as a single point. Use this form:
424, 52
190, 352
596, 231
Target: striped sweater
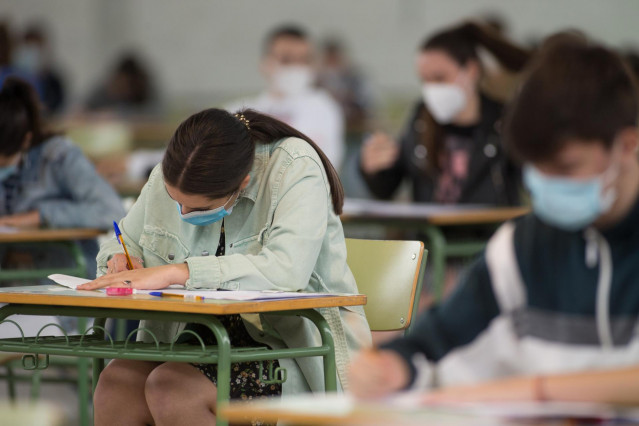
539, 300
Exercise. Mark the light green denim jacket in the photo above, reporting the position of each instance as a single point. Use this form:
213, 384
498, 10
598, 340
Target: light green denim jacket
281, 235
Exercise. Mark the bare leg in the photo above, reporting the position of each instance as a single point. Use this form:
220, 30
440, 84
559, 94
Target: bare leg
179, 394
119, 397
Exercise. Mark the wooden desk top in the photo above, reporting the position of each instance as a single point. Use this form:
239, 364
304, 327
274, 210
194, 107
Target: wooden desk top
60, 296
372, 211
331, 409
46, 235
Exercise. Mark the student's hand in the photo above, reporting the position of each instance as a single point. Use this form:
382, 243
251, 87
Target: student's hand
22, 220
153, 278
118, 263
379, 152
373, 373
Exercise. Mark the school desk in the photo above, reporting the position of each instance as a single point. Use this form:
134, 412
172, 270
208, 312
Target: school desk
408, 410
60, 238
430, 220
98, 344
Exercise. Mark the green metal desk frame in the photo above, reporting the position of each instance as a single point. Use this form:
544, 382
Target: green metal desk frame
440, 249
79, 270
98, 344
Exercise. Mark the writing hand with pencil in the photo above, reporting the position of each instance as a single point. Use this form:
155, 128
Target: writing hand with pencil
126, 271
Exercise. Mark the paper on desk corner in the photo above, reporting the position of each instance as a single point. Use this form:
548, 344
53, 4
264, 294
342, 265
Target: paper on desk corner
68, 280
73, 282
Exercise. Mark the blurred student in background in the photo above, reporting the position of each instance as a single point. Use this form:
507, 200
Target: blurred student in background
33, 57
46, 181
288, 65
7, 60
451, 149
555, 294
127, 90
346, 84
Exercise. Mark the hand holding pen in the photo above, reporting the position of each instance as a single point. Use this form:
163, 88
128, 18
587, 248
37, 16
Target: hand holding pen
122, 261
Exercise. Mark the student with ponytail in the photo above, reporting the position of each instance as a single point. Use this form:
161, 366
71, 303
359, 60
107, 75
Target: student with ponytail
241, 202
451, 149
46, 181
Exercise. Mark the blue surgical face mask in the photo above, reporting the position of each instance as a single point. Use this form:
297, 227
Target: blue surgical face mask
203, 218
7, 171
569, 204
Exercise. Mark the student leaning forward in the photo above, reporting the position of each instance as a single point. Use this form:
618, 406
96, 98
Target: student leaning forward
244, 202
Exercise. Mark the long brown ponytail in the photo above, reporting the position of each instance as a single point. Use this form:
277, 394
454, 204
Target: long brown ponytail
212, 151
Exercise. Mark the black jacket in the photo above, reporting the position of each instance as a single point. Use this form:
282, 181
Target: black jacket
492, 178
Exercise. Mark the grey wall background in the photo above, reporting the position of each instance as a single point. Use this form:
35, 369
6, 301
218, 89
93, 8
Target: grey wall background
204, 49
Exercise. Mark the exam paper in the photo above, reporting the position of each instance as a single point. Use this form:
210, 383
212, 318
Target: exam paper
177, 289
68, 280
239, 294
73, 282
8, 229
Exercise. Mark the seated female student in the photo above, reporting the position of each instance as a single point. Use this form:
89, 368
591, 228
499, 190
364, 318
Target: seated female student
451, 149
554, 298
46, 181
244, 202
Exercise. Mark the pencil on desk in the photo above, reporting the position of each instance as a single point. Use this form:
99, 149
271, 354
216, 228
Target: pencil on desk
188, 297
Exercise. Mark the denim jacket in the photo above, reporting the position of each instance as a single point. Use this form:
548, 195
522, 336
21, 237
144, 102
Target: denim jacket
281, 235
57, 180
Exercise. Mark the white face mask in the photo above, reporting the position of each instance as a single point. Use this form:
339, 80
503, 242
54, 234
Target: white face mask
293, 80
444, 100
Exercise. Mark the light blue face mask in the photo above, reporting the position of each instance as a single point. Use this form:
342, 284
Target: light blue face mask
203, 218
7, 171
568, 204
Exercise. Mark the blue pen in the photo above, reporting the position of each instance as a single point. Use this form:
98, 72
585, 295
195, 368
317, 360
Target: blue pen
118, 236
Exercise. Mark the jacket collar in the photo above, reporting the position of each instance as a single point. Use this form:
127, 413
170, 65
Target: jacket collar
262, 154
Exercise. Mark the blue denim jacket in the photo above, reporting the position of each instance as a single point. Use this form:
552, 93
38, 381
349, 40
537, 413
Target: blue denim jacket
57, 180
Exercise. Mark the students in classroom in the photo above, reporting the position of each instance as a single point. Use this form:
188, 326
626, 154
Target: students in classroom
554, 298
46, 181
451, 149
289, 67
240, 201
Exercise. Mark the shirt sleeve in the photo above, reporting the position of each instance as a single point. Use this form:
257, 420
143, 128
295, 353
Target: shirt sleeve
92, 203
454, 323
131, 227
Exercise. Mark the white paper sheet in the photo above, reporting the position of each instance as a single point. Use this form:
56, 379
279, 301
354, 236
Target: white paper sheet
177, 289
238, 294
68, 280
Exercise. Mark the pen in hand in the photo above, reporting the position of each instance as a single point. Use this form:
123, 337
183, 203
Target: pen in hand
118, 236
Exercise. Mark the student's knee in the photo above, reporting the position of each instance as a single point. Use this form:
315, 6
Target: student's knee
159, 389
113, 380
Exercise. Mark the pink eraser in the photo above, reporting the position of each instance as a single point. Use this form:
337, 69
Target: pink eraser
119, 291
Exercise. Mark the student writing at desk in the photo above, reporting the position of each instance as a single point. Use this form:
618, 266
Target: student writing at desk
244, 202
555, 291
46, 181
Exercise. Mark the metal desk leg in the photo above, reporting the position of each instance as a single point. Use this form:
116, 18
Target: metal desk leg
223, 364
437, 255
83, 391
330, 368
